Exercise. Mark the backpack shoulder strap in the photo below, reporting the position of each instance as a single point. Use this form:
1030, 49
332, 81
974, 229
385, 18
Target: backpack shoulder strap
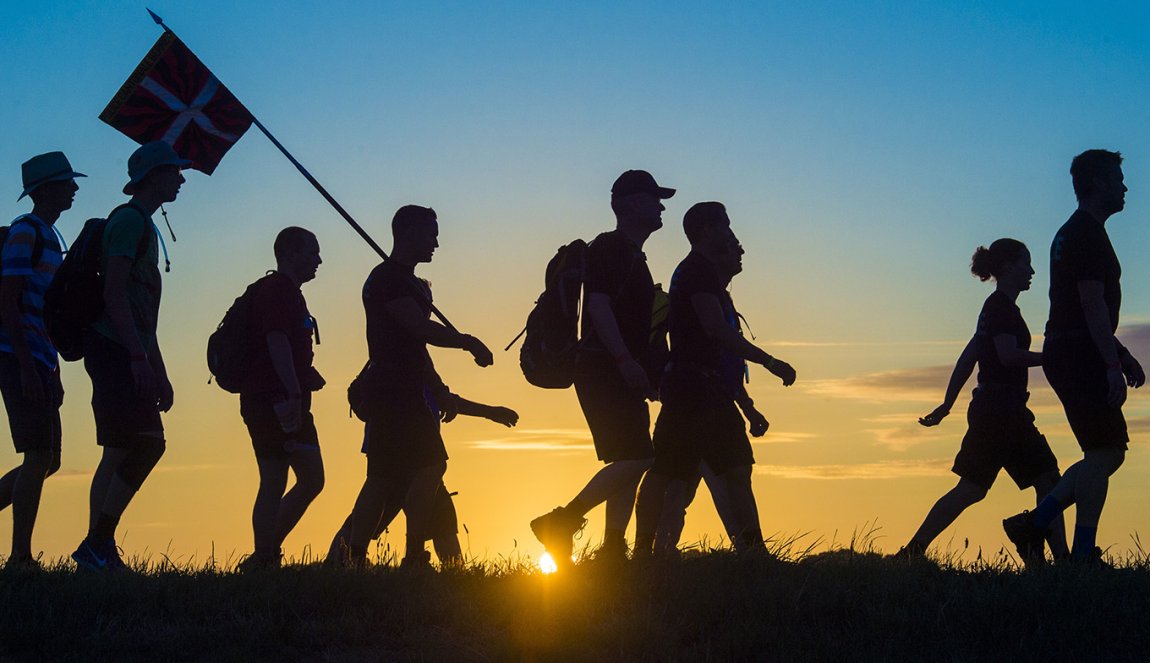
37, 242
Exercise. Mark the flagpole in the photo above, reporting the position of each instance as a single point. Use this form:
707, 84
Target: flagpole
322, 191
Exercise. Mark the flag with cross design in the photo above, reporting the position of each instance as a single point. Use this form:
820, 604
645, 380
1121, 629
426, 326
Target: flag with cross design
173, 97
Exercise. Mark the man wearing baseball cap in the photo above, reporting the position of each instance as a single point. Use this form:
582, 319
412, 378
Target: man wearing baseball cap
130, 386
29, 367
611, 380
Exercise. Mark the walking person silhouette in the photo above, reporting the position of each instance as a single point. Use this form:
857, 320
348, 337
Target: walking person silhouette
1001, 431
1085, 363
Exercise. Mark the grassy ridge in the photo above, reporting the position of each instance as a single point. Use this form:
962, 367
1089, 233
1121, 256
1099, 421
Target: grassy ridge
842, 605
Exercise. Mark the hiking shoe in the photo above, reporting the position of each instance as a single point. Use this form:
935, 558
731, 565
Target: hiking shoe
612, 551
256, 562
418, 560
1028, 539
1092, 559
99, 556
555, 531
23, 564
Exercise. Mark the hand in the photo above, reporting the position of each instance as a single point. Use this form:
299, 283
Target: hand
636, 378
30, 384
144, 379
1117, 383
448, 406
1135, 376
782, 370
167, 394
502, 415
758, 422
289, 413
479, 351
935, 418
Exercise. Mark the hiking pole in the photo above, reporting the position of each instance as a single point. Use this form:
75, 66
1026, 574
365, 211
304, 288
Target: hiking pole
322, 191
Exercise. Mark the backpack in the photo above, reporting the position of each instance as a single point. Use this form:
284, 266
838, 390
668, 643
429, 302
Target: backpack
547, 357
230, 345
75, 298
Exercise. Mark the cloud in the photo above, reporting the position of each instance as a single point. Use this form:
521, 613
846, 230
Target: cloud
1136, 338
887, 469
861, 344
538, 439
925, 384
783, 437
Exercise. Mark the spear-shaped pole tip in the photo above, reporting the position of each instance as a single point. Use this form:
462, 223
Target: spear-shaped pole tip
157, 19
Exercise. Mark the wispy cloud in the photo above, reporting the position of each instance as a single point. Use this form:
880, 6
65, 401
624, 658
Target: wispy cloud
925, 384
538, 439
783, 437
888, 469
861, 344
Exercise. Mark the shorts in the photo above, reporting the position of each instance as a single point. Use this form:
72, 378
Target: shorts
122, 419
403, 438
695, 426
619, 420
1078, 375
268, 439
34, 426
444, 521
686, 437
1002, 435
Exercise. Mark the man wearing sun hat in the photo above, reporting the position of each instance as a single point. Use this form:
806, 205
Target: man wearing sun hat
29, 367
130, 386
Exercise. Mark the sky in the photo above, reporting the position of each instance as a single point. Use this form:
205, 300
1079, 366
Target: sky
863, 151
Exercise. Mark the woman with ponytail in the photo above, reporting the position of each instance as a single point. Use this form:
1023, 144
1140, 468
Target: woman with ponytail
1001, 432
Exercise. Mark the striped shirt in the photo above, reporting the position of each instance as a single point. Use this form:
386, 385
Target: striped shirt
16, 260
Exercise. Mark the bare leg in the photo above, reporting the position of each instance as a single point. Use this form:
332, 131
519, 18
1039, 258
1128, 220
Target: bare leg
676, 499
110, 459
273, 481
649, 510
621, 505
1092, 483
946, 510
610, 480
26, 491
743, 507
369, 506
419, 506
722, 501
7, 483
308, 468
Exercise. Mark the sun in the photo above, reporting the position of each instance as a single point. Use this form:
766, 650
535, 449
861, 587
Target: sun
547, 564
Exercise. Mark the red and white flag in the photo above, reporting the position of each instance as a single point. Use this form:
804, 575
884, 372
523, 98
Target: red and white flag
173, 97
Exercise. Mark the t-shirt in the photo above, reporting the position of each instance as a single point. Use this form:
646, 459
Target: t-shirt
615, 267
17, 261
1000, 316
1081, 251
400, 357
279, 305
690, 344
121, 239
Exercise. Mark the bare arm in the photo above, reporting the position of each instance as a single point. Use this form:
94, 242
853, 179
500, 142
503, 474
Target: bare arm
958, 377
283, 362
710, 314
498, 414
412, 319
1006, 347
1091, 295
117, 307
607, 329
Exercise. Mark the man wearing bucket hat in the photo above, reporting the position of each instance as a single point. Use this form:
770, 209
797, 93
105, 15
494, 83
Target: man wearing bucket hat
611, 381
29, 367
130, 386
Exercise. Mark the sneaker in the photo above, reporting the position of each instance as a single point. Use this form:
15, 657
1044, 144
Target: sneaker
612, 551
23, 564
1093, 559
419, 560
1028, 539
99, 556
555, 531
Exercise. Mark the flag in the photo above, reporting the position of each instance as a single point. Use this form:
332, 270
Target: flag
173, 97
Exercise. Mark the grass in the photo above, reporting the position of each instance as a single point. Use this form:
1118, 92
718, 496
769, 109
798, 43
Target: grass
847, 604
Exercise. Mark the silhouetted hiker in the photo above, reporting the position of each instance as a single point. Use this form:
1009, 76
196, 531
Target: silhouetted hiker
405, 395
275, 399
681, 493
29, 367
702, 389
130, 386
1084, 362
1001, 432
611, 381
443, 530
